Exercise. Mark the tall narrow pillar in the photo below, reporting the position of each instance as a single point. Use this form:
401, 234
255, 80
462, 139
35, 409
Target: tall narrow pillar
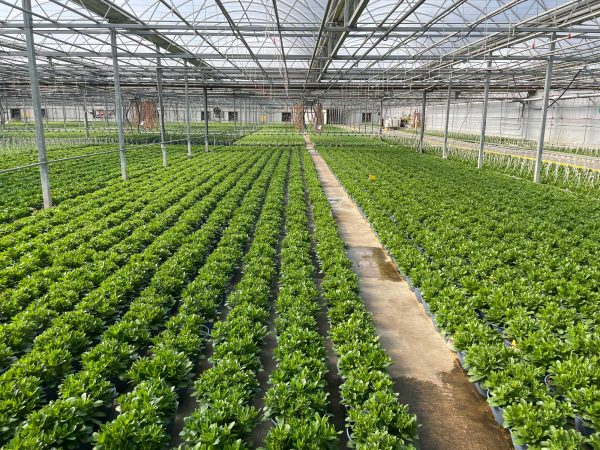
37, 105
486, 95
205, 91
547, 85
85, 116
381, 116
447, 118
422, 132
105, 112
47, 112
161, 108
118, 104
234, 115
187, 114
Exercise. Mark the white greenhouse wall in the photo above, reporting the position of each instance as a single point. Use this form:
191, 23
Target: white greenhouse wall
574, 121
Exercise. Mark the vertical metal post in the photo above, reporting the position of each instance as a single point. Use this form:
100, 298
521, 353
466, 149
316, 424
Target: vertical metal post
105, 112
547, 85
37, 106
486, 95
447, 118
234, 115
381, 116
64, 113
187, 113
85, 116
26, 115
204, 90
118, 104
46, 112
422, 132
346, 12
161, 108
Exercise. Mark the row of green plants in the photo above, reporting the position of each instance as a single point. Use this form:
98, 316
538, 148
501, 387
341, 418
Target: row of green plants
75, 242
375, 418
98, 164
515, 142
225, 415
506, 270
133, 303
145, 414
272, 137
568, 175
20, 191
69, 209
92, 279
297, 398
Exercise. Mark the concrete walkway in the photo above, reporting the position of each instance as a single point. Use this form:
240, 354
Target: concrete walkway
427, 375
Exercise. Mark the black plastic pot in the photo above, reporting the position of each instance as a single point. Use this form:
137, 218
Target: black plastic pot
497, 412
482, 391
516, 446
418, 294
497, 328
549, 384
435, 325
461, 358
426, 306
583, 427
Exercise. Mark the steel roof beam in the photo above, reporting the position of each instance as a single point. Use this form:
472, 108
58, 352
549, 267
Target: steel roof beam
346, 12
241, 37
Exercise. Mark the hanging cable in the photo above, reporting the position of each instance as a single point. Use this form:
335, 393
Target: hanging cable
565, 90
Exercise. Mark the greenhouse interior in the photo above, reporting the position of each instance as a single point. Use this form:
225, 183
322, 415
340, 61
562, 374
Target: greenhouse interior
300, 224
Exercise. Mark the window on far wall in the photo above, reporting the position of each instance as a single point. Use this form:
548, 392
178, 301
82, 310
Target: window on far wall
15, 113
202, 115
286, 116
366, 117
233, 116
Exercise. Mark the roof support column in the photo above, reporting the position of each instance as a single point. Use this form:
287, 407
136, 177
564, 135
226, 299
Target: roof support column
161, 109
118, 104
234, 116
64, 113
187, 113
547, 85
204, 90
422, 132
347, 12
486, 95
381, 117
105, 112
447, 118
46, 112
25, 110
37, 105
85, 116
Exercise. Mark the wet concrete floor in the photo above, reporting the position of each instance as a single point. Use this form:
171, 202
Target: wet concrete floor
427, 375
